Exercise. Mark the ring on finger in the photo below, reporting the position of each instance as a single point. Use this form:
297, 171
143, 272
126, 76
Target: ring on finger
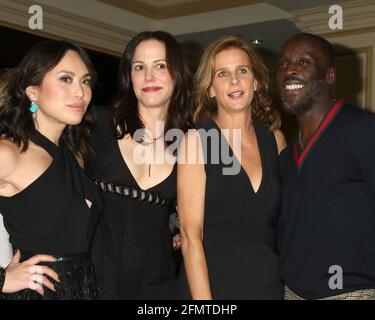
35, 269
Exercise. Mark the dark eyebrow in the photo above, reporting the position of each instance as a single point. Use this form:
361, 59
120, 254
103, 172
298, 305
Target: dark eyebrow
73, 74
281, 59
155, 61
305, 55
68, 72
301, 55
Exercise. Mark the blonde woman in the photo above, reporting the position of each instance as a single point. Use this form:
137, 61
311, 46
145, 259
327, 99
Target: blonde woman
228, 210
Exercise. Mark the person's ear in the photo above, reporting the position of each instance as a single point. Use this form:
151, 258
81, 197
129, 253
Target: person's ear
212, 92
32, 93
331, 75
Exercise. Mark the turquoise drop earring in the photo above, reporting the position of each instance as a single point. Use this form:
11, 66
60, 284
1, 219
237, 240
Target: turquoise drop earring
33, 108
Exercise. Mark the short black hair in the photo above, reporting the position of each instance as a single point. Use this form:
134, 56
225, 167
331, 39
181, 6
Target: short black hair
325, 45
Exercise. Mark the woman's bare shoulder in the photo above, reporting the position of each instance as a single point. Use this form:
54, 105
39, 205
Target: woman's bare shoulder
9, 157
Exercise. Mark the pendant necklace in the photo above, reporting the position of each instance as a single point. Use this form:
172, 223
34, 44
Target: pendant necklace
147, 143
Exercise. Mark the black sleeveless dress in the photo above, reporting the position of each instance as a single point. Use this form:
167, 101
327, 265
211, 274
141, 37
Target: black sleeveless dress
239, 227
50, 216
132, 249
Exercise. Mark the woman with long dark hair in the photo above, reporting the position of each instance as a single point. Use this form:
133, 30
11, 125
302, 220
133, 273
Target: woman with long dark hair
49, 205
134, 167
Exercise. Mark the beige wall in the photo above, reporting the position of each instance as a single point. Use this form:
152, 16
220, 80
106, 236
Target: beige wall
99, 26
356, 68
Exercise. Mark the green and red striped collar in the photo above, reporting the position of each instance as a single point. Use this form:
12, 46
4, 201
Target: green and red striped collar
300, 157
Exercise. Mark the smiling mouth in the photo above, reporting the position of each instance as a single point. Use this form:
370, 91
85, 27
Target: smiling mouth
236, 94
294, 86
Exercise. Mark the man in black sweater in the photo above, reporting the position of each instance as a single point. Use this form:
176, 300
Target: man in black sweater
326, 231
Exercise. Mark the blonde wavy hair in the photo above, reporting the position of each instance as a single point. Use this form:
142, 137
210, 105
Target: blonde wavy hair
262, 110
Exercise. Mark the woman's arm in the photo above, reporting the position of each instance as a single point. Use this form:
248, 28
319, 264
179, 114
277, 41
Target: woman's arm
9, 156
19, 276
191, 181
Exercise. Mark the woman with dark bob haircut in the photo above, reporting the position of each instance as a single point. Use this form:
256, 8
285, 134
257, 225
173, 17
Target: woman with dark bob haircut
134, 167
49, 205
